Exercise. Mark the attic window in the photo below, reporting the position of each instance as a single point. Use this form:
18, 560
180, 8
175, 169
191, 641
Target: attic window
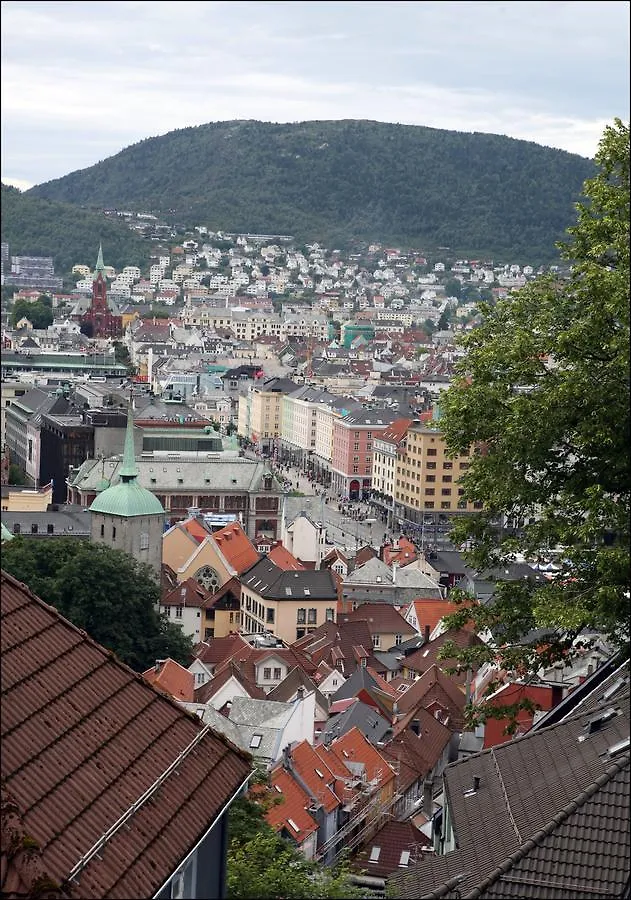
276, 787
293, 825
374, 854
319, 773
405, 858
256, 740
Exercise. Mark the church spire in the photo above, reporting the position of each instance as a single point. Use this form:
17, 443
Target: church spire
129, 469
100, 265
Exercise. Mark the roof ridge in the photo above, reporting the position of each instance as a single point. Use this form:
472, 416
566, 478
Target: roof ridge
547, 829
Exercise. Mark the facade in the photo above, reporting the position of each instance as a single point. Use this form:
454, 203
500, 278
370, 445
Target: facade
260, 411
229, 489
99, 321
127, 516
288, 604
426, 483
384, 464
353, 447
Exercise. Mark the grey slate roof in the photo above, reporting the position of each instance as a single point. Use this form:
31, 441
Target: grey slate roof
69, 521
549, 817
269, 581
359, 715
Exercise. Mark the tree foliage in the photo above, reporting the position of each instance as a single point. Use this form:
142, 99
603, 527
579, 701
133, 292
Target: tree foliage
344, 181
261, 863
543, 390
39, 313
105, 592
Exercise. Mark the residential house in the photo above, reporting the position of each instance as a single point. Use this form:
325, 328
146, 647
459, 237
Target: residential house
396, 846
436, 692
212, 558
427, 656
447, 567
185, 605
558, 801
353, 447
291, 817
288, 604
388, 628
172, 679
344, 646
376, 582
120, 792
354, 713
305, 539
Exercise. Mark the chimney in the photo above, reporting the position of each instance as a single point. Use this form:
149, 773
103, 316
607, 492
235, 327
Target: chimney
476, 782
426, 635
300, 693
287, 757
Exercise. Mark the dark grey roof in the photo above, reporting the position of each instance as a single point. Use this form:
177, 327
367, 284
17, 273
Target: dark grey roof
359, 715
69, 521
449, 561
269, 581
296, 678
548, 818
372, 417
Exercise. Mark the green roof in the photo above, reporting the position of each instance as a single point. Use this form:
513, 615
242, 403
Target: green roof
127, 499
6, 534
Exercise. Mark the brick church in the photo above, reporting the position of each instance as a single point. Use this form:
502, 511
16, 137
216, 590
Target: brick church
99, 321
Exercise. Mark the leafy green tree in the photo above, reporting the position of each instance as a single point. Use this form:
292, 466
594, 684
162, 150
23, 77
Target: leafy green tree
106, 592
543, 390
263, 864
453, 287
17, 476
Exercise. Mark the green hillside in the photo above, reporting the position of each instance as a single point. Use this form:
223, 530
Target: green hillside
70, 234
346, 180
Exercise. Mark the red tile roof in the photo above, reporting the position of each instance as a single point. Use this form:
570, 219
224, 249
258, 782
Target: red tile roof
188, 593
220, 649
84, 738
293, 808
285, 560
430, 612
355, 747
308, 765
172, 679
397, 842
435, 685
427, 655
236, 547
382, 618
195, 529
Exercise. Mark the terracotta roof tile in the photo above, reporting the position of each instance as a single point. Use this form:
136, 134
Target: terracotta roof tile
354, 747
435, 686
293, 809
380, 617
188, 593
83, 738
236, 547
399, 846
308, 764
285, 560
171, 678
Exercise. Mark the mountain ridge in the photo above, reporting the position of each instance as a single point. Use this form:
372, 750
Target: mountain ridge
342, 181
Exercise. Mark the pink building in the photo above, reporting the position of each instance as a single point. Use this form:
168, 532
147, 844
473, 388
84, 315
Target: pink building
351, 459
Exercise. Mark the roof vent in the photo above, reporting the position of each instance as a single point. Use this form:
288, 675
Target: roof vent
615, 749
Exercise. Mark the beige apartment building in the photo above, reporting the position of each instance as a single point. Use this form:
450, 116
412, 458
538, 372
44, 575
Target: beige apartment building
260, 411
288, 604
426, 478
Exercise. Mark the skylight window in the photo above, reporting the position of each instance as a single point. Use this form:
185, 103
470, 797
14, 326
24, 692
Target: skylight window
405, 858
293, 825
255, 741
374, 854
319, 773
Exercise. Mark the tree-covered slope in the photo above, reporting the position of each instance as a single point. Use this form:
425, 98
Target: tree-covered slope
342, 180
41, 227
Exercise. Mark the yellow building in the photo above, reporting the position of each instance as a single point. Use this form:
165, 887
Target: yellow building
426, 478
18, 499
260, 411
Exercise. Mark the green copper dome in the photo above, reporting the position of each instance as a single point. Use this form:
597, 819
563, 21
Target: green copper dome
6, 534
127, 498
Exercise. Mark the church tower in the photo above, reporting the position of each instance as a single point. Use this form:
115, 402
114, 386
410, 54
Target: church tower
99, 321
127, 516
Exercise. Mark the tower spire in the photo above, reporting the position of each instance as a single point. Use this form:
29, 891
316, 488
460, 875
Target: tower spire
100, 265
129, 469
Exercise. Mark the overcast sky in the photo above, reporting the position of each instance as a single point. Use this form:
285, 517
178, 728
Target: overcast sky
83, 80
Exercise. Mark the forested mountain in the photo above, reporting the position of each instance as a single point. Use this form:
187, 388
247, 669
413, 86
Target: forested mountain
341, 181
70, 234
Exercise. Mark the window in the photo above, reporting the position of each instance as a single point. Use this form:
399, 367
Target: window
431, 465
446, 477
356, 446
167, 610
33, 528
431, 478
445, 505
50, 529
398, 639
301, 617
144, 540
179, 611
431, 451
16, 528
376, 640
405, 858
429, 504
277, 674
374, 854
477, 504
113, 533
355, 470
269, 616
446, 492
312, 617
448, 465
102, 530
267, 674
430, 492
330, 614
255, 740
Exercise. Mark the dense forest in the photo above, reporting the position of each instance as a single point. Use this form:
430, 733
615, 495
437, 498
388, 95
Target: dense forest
70, 234
338, 182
